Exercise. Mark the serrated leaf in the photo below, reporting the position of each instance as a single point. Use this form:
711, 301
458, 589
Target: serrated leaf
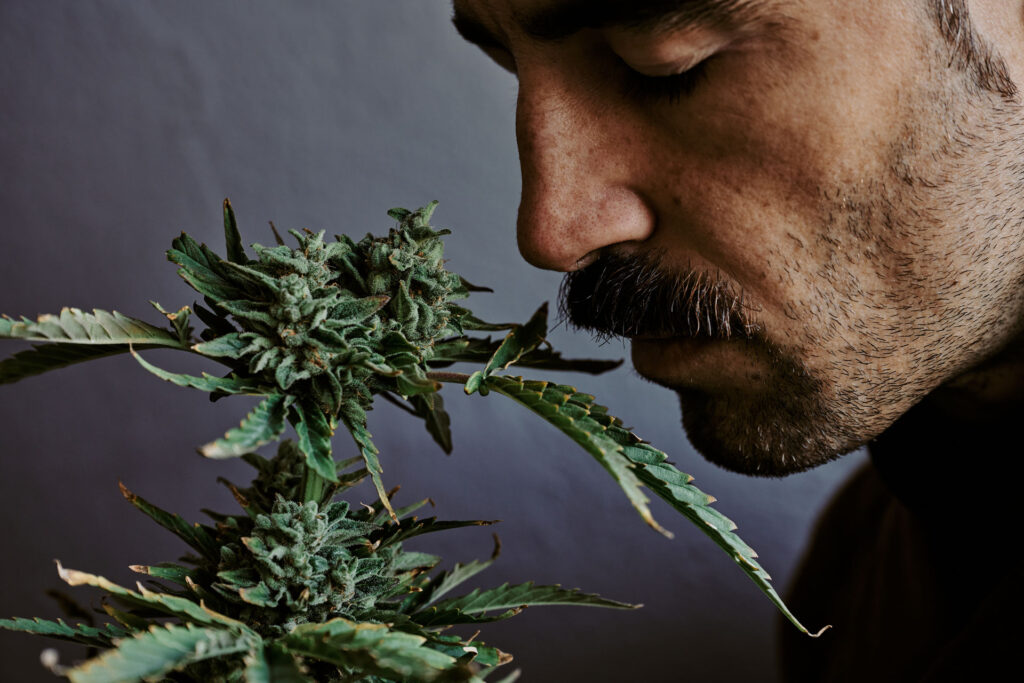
315, 431
80, 633
370, 649
675, 488
447, 581
409, 527
551, 401
521, 340
355, 422
159, 651
225, 385
166, 571
430, 407
196, 536
235, 250
273, 664
74, 326
171, 605
509, 597
264, 423
590, 425
45, 357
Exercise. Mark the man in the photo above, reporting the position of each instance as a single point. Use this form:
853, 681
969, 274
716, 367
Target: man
808, 217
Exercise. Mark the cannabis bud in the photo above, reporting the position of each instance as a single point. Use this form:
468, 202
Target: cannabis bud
339, 321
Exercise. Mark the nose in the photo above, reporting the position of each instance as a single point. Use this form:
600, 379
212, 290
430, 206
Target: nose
580, 173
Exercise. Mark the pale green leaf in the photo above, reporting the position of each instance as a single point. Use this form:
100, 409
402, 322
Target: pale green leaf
157, 652
264, 424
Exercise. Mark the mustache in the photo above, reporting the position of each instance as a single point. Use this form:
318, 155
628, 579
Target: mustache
632, 295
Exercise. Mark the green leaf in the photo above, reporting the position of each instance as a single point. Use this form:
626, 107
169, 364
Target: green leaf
158, 651
356, 424
80, 633
674, 487
167, 571
236, 252
45, 357
229, 345
200, 268
509, 597
73, 326
590, 425
446, 581
171, 605
474, 350
371, 649
430, 407
411, 526
226, 385
264, 424
196, 536
521, 340
471, 322
179, 321
315, 431
554, 403
273, 664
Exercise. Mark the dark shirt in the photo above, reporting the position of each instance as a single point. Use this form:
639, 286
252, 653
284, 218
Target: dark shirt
917, 562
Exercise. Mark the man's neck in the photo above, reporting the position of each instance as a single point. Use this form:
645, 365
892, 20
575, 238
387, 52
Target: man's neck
961, 444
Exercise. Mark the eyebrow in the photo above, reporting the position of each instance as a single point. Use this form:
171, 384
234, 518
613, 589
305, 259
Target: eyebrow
569, 17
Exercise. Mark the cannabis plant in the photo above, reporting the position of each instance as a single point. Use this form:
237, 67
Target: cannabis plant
299, 585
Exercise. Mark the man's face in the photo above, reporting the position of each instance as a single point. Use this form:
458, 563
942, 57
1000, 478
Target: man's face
807, 215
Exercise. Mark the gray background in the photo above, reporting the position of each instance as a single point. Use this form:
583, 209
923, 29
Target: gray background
123, 123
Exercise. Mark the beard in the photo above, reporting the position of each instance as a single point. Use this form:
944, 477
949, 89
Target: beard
765, 433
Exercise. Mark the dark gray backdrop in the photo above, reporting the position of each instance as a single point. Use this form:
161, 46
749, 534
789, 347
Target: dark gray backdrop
123, 123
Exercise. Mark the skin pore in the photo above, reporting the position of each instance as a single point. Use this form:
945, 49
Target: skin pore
847, 176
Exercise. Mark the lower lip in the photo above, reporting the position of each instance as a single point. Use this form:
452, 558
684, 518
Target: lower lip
690, 361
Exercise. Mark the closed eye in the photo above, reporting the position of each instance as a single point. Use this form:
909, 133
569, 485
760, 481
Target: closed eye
670, 88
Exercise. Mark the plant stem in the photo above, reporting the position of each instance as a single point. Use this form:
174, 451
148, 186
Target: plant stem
453, 377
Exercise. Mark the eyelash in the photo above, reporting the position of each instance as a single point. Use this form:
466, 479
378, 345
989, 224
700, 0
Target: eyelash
668, 89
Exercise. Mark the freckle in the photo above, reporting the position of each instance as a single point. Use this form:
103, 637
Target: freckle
677, 200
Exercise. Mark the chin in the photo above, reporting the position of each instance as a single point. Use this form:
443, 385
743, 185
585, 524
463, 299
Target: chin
761, 436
